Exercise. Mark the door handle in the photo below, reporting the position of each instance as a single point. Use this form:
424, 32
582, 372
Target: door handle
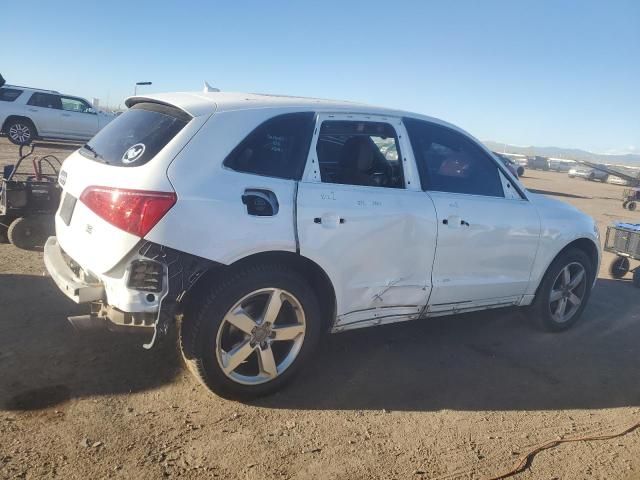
32, 109
454, 221
329, 220
66, 114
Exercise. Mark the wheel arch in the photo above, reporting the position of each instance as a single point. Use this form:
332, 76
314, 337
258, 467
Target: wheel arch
317, 277
584, 244
11, 118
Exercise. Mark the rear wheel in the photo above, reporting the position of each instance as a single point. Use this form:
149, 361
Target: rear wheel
4, 227
564, 291
619, 267
30, 233
21, 131
624, 204
252, 332
632, 206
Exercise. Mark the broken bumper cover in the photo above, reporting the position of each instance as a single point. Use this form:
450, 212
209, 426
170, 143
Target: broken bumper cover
76, 289
107, 294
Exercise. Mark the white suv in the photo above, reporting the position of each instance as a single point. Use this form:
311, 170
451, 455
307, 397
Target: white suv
260, 222
30, 113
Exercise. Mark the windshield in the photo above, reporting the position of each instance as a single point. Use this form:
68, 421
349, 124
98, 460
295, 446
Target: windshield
136, 136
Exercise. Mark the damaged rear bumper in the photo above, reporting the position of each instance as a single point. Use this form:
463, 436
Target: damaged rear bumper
114, 304
80, 291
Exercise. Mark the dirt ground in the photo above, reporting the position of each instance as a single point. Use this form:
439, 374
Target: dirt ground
459, 397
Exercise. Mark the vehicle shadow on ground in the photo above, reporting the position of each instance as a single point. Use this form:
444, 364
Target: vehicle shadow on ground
44, 362
484, 361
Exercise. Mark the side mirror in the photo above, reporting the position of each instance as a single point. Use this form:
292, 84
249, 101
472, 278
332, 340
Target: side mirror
90, 110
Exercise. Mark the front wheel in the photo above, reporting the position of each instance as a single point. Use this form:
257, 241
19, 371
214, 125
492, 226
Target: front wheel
564, 291
252, 333
632, 206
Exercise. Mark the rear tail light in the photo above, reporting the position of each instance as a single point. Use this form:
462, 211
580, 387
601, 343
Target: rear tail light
134, 211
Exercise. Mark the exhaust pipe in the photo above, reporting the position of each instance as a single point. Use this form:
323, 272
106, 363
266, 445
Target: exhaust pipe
83, 323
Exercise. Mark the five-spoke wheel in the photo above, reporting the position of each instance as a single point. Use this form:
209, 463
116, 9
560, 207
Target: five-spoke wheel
567, 292
252, 332
564, 291
260, 336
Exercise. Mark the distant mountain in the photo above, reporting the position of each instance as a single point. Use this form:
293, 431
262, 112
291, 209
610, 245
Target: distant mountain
568, 153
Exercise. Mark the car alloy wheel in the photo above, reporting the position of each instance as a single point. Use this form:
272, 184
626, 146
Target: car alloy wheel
567, 292
260, 336
20, 133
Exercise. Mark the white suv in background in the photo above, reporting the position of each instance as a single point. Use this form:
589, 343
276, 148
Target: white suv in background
260, 222
30, 113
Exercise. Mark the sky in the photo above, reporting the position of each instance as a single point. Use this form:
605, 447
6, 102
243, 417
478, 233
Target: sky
530, 72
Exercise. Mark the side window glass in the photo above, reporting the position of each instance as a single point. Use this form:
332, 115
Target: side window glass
45, 100
74, 105
359, 153
450, 162
9, 94
277, 148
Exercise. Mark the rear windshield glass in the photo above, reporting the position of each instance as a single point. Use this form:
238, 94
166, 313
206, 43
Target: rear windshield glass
136, 136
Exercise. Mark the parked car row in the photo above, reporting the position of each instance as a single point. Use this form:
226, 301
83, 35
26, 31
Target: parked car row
30, 113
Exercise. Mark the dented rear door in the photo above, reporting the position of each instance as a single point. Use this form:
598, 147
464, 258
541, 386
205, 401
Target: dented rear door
376, 243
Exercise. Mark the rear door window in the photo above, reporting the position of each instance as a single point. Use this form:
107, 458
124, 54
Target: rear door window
136, 136
9, 94
359, 153
45, 100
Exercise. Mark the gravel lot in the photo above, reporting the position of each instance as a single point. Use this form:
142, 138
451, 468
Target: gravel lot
458, 397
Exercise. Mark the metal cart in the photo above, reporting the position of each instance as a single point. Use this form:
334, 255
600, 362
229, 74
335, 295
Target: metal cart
623, 239
630, 198
29, 196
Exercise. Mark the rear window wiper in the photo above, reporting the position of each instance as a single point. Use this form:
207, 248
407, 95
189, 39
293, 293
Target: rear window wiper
93, 152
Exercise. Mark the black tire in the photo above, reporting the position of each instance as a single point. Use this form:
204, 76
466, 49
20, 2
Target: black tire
619, 267
636, 277
540, 309
201, 323
20, 131
624, 204
4, 227
632, 206
30, 233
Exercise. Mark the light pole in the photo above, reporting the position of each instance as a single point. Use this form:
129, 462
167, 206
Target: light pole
135, 89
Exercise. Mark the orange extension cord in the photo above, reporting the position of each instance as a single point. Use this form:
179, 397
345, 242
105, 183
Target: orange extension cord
525, 461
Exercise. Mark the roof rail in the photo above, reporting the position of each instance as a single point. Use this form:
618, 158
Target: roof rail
31, 88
